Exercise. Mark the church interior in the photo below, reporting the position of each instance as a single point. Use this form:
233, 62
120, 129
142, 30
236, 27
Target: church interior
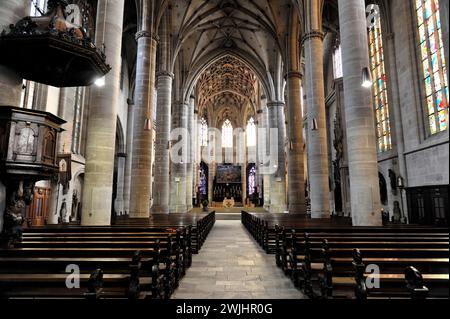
224, 149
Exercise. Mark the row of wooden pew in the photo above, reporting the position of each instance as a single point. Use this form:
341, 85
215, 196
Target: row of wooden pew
332, 259
130, 260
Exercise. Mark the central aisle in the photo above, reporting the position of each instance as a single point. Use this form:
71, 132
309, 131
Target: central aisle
231, 265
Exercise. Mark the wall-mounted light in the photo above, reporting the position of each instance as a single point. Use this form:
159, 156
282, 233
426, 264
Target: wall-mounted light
148, 125
100, 82
315, 126
400, 182
366, 78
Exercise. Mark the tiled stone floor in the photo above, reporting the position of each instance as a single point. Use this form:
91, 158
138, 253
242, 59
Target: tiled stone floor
231, 265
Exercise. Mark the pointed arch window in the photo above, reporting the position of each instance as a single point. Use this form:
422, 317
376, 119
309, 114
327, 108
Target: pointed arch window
337, 63
38, 7
433, 64
203, 132
251, 133
227, 134
380, 92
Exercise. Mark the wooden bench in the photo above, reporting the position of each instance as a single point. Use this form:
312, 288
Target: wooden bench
318, 255
145, 260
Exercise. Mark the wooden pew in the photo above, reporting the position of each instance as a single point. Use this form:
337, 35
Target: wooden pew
123, 261
328, 270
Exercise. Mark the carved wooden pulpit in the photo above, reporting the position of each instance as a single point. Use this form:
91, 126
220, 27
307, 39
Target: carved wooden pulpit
28, 153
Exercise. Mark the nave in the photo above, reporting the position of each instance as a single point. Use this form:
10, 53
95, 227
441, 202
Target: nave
231, 265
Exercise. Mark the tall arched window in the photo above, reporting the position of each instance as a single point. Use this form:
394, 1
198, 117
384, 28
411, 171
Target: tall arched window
337, 63
227, 134
252, 180
380, 93
38, 7
203, 132
251, 133
433, 64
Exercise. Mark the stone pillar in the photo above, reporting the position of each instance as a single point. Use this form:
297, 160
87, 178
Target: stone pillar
178, 171
191, 154
141, 169
264, 122
11, 12
104, 104
360, 123
129, 158
197, 146
119, 202
242, 144
443, 11
162, 156
278, 179
213, 151
296, 169
317, 136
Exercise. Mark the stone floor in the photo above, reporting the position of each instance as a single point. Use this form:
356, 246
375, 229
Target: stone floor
231, 265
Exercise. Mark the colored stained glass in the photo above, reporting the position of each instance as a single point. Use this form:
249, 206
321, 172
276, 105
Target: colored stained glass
380, 98
433, 64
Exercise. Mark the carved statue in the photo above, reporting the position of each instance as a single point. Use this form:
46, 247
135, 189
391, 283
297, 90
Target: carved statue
74, 212
54, 22
13, 218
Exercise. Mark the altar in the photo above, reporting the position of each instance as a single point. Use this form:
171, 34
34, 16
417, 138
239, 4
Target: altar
229, 203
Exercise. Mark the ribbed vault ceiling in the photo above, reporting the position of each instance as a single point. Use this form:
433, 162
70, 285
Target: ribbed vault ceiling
227, 75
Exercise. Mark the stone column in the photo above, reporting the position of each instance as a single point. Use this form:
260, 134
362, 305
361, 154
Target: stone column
141, 169
360, 123
162, 156
278, 179
264, 122
178, 171
119, 201
443, 11
191, 154
296, 167
11, 12
213, 151
104, 104
317, 136
197, 146
129, 158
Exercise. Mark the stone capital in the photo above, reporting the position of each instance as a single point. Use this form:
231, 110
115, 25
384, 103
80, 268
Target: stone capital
166, 74
313, 34
146, 34
294, 74
275, 104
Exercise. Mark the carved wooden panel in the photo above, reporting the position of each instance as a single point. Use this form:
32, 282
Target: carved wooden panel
25, 142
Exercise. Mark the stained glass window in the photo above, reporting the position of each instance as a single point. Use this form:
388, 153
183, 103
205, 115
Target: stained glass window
433, 64
251, 133
203, 132
77, 119
337, 63
227, 134
252, 180
380, 93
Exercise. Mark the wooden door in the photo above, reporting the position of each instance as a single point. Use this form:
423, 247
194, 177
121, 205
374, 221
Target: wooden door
39, 208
